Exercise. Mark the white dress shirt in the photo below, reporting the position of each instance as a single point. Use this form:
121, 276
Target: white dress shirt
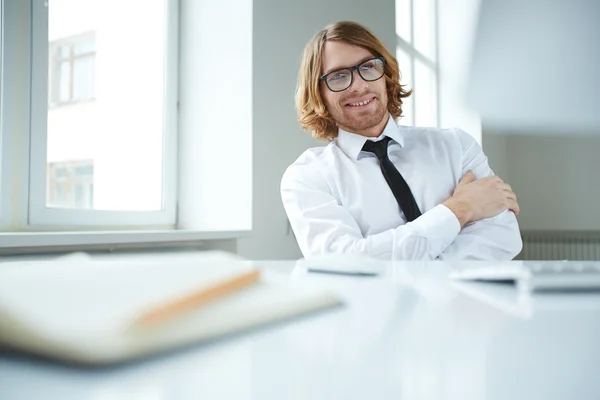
338, 201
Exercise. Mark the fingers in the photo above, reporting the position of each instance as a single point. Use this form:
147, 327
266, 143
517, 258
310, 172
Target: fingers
492, 180
468, 177
511, 203
514, 206
511, 196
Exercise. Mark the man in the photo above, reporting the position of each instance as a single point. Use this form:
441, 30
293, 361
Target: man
379, 189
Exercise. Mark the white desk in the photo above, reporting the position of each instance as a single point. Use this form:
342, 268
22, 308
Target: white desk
409, 334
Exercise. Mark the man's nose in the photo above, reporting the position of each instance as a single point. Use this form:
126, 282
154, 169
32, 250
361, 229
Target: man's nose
358, 83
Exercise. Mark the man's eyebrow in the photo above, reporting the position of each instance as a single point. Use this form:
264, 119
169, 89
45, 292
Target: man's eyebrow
342, 67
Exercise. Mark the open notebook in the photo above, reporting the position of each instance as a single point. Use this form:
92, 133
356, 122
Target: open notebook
82, 311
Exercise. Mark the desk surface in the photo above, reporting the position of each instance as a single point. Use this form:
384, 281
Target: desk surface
407, 334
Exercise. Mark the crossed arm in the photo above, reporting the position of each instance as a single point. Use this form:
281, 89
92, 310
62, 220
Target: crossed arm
322, 226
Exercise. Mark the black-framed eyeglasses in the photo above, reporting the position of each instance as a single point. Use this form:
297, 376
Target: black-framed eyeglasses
341, 79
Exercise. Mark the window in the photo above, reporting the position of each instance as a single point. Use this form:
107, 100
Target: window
417, 54
72, 66
94, 138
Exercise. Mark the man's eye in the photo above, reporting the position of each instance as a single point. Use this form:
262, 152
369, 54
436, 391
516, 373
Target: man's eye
367, 66
336, 77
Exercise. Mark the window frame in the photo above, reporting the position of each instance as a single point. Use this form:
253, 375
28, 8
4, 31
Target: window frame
1, 64
202, 220
38, 214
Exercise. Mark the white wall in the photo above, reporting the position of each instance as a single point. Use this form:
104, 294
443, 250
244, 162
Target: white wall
556, 178
495, 148
553, 171
457, 23
215, 115
281, 30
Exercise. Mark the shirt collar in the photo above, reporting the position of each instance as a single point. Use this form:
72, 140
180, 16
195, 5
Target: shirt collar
352, 143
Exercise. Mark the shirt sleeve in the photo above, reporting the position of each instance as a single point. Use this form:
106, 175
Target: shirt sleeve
322, 225
497, 238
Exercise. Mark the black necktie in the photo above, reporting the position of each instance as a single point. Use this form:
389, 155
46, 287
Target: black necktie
392, 176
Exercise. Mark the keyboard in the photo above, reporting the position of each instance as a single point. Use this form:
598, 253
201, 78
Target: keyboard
535, 275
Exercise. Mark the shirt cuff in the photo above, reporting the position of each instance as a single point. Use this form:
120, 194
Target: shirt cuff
440, 226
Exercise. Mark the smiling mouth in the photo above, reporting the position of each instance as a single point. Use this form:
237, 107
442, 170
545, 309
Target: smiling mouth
360, 103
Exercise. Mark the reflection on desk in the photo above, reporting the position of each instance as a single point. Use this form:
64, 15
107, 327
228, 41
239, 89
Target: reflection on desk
407, 333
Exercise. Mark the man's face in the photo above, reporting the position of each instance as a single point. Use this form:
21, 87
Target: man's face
343, 107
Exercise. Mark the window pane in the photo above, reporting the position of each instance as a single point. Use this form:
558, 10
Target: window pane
65, 51
85, 44
405, 65
79, 196
84, 80
60, 172
425, 95
64, 77
61, 194
71, 184
113, 113
424, 17
86, 170
403, 19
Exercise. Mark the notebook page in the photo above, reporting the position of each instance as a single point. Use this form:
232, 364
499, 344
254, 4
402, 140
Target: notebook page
71, 300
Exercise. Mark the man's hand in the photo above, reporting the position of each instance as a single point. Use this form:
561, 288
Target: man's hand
482, 198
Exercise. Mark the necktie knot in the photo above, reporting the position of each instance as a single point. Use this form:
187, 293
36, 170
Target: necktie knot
378, 148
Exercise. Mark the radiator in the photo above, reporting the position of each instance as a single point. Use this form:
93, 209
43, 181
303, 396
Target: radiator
560, 245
